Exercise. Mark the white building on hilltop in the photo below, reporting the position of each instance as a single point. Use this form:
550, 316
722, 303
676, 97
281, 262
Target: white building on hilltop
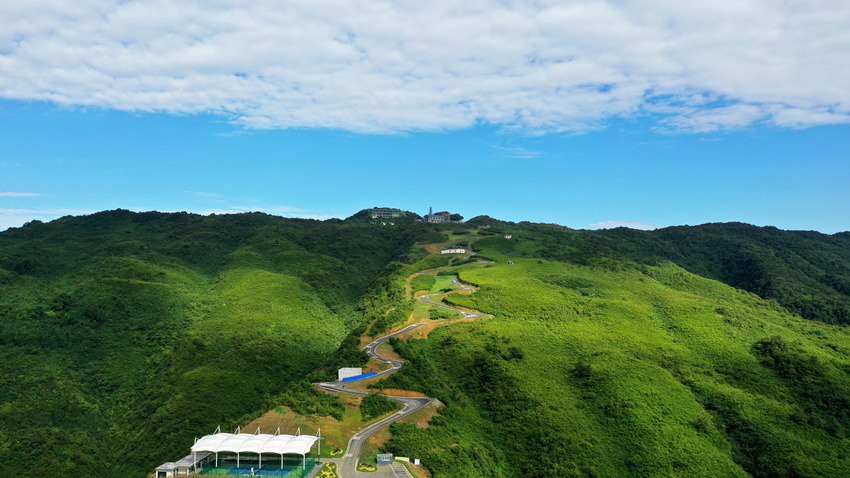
437, 217
453, 250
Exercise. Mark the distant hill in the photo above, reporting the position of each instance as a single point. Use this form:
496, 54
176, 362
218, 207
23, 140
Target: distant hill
365, 216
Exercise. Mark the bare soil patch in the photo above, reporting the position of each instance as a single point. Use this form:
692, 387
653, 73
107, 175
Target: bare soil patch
421, 332
363, 385
434, 248
386, 350
376, 441
407, 288
401, 393
289, 422
422, 417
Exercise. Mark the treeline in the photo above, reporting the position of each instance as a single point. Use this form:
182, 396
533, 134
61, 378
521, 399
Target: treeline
804, 271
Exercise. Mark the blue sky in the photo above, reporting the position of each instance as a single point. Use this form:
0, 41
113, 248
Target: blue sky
586, 114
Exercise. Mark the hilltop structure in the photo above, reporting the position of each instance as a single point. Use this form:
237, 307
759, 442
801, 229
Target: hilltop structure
386, 212
439, 217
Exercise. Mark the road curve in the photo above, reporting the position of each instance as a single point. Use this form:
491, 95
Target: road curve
348, 467
467, 314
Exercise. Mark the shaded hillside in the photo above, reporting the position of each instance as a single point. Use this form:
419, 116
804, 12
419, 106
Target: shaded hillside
804, 271
124, 335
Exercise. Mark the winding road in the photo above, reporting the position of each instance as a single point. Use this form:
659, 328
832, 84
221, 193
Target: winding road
348, 466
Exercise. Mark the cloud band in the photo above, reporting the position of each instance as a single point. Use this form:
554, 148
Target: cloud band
402, 66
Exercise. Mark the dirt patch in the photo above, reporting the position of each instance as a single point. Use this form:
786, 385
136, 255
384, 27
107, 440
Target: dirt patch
289, 422
407, 322
380, 437
422, 417
416, 471
386, 350
434, 248
374, 366
376, 442
407, 287
420, 332
425, 330
269, 422
363, 385
401, 393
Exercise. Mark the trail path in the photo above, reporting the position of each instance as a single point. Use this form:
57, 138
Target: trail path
347, 465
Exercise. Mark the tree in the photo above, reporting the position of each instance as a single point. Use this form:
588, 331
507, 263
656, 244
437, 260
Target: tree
456, 218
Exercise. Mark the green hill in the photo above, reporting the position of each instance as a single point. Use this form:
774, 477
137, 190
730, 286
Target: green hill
611, 353
619, 369
123, 336
805, 271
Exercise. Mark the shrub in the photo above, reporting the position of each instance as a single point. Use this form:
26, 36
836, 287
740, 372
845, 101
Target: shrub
375, 405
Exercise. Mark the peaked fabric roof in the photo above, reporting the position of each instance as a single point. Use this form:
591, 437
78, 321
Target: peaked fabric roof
259, 443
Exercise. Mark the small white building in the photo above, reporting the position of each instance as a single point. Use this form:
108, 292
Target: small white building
168, 470
186, 466
346, 372
453, 250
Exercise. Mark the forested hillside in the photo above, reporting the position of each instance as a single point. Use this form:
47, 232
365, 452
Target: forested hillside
611, 368
610, 353
123, 335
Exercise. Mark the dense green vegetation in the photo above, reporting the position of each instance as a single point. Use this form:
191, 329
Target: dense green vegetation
422, 282
124, 335
304, 399
618, 369
806, 272
374, 405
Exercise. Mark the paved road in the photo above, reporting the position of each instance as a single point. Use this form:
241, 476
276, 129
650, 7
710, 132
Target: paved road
467, 314
348, 466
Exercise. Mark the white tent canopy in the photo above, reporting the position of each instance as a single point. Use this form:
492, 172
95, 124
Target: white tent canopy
259, 443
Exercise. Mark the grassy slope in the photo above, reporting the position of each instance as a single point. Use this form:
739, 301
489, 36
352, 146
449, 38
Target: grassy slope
128, 332
805, 271
625, 371
123, 335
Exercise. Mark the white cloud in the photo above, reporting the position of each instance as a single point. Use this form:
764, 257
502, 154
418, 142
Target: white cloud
630, 224
518, 153
374, 66
18, 195
204, 194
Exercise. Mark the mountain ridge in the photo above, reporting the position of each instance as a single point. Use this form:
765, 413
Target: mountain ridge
124, 333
